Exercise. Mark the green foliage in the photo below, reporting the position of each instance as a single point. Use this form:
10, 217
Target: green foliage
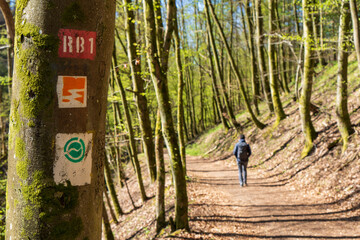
2, 206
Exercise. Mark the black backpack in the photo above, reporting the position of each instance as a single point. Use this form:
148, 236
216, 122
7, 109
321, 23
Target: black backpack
243, 151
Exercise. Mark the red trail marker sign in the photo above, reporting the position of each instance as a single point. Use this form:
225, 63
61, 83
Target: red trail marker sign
77, 44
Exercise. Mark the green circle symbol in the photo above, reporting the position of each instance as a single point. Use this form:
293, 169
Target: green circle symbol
75, 150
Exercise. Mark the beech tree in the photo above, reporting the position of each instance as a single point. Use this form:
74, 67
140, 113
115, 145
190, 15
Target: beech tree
158, 67
342, 112
57, 135
304, 101
279, 112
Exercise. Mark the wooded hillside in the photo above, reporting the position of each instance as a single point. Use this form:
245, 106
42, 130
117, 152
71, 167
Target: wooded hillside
172, 70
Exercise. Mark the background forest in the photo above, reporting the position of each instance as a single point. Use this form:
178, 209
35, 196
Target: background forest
215, 60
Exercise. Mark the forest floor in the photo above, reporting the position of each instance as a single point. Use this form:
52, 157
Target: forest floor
317, 197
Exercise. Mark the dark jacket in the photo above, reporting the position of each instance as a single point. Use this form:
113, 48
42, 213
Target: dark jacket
242, 146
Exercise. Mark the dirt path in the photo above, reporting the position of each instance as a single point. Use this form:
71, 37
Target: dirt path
265, 209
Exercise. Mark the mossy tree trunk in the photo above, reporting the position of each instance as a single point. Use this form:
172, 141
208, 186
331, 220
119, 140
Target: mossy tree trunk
304, 101
132, 143
43, 200
261, 55
138, 88
355, 23
158, 68
234, 66
274, 86
342, 112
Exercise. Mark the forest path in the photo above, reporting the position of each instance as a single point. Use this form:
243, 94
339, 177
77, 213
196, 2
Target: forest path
265, 209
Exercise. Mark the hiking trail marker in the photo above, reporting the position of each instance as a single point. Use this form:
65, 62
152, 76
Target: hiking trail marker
72, 91
73, 160
77, 44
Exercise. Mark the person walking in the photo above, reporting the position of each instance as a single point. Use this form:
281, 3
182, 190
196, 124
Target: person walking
242, 152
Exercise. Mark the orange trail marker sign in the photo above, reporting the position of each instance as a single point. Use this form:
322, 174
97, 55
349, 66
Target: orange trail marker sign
72, 91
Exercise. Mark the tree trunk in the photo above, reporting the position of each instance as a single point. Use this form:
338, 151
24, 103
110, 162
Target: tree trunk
10, 28
216, 91
112, 213
218, 68
180, 110
160, 192
355, 22
138, 89
54, 135
158, 69
233, 66
110, 185
342, 112
261, 59
279, 111
297, 25
254, 73
304, 102
107, 228
134, 155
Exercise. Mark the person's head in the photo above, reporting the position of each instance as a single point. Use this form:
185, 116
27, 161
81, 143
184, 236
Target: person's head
242, 136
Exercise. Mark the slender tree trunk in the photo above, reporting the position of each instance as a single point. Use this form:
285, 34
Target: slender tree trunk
355, 23
138, 89
234, 67
45, 200
180, 110
160, 193
261, 59
282, 52
304, 102
297, 25
158, 69
217, 97
112, 213
254, 73
279, 112
10, 28
106, 225
342, 113
130, 129
110, 185
218, 68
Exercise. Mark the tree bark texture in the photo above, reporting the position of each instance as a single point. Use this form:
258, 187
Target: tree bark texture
43, 203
